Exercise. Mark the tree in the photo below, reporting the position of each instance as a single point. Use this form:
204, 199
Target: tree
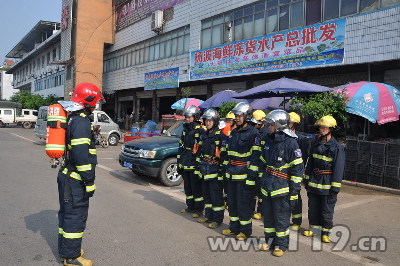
33, 101
321, 104
225, 108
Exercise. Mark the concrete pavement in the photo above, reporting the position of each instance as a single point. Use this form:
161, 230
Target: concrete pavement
135, 220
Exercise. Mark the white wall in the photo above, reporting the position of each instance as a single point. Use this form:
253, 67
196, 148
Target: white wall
6, 87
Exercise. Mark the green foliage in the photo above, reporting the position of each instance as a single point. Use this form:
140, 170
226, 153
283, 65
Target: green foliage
321, 104
186, 91
33, 101
225, 108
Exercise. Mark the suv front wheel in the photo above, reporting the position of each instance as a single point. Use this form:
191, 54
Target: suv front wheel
168, 174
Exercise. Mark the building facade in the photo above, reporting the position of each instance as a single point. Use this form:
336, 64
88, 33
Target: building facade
37, 55
6, 88
240, 44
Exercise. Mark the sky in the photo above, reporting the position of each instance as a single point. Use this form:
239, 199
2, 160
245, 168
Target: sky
19, 16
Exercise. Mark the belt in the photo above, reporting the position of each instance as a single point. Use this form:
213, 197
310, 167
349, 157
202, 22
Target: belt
211, 161
277, 173
322, 172
238, 163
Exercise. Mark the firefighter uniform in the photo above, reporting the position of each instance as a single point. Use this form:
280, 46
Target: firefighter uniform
303, 142
211, 156
323, 181
259, 209
243, 153
281, 173
187, 164
76, 184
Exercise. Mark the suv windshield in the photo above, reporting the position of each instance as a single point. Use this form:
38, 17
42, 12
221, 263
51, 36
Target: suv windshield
176, 129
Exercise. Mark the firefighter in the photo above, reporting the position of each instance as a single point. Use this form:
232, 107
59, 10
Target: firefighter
258, 120
281, 173
243, 151
188, 147
229, 124
76, 178
211, 155
323, 178
304, 147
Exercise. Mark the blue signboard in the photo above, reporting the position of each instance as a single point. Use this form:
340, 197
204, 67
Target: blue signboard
162, 79
319, 44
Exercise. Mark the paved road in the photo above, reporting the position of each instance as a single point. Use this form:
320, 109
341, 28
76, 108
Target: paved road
135, 220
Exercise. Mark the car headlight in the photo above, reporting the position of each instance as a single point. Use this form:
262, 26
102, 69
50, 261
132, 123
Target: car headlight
147, 154
123, 147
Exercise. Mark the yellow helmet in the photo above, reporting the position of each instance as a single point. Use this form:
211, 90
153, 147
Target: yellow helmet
326, 121
258, 117
294, 117
230, 115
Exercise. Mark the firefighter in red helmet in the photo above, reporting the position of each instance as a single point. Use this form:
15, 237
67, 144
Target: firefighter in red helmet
76, 177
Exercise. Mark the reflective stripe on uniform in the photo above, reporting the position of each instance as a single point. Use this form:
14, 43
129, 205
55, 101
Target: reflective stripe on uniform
287, 165
320, 186
80, 141
217, 209
207, 205
72, 235
280, 191
256, 148
296, 197
178, 156
250, 183
269, 230
316, 227
237, 154
282, 234
85, 167
210, 176
55, 147
306, 177
57, 118
296, 179
188, 167
234, 219
92, 151
246, 222
262, 159
60, 230
326, 230
189, 197
336, 184
322, 157
253, 168
297, 216
239, 177
199, 199
75, 176
90, 188
264, 192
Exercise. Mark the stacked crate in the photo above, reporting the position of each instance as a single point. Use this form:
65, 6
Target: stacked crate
364, 159
392, 171
350, 172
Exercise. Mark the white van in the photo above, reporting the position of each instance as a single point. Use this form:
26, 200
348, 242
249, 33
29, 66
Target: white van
108, 127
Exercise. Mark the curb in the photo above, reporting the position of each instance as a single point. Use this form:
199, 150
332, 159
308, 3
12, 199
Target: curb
372, 187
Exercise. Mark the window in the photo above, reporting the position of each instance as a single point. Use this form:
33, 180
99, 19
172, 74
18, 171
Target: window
313, 12
26, 112
103, 118
348, 7
43, 61
388, 3
48, 58
7, 112
54, 54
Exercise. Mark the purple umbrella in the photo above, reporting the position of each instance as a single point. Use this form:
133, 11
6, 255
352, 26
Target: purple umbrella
281, 87
221, 97
268, 103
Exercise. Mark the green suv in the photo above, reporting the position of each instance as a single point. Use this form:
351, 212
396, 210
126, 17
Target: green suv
155, 156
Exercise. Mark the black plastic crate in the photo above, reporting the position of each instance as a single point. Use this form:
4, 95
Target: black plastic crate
393, 160
391, 183
351, 155
392, 148
392, 172
363, 168
350, 175
352, 144
378, 148
375, 180
364, 157
350, 166
376, 170
362, 178
364, 146
378, 159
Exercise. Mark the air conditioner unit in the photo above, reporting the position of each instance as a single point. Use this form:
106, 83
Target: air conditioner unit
157, 21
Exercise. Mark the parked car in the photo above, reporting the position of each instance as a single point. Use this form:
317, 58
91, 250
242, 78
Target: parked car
99, 118
155, 156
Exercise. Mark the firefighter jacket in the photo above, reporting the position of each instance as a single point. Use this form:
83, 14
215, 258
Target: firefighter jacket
211, 154
325, 167
243, 153
81, 150
188, 144
281, 166
304, 145
263, 134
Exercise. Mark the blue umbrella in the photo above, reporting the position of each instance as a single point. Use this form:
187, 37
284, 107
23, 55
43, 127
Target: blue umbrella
219, 98
182, 103
281, 87
268, 103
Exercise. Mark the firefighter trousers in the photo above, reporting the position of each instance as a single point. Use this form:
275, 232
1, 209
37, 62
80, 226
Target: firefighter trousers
240, 206
214, 200
320, 212
258, 200
276, 212
72, 216
297, 216
192, 185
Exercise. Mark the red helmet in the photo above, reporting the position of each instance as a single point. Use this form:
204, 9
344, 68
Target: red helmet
87, 95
